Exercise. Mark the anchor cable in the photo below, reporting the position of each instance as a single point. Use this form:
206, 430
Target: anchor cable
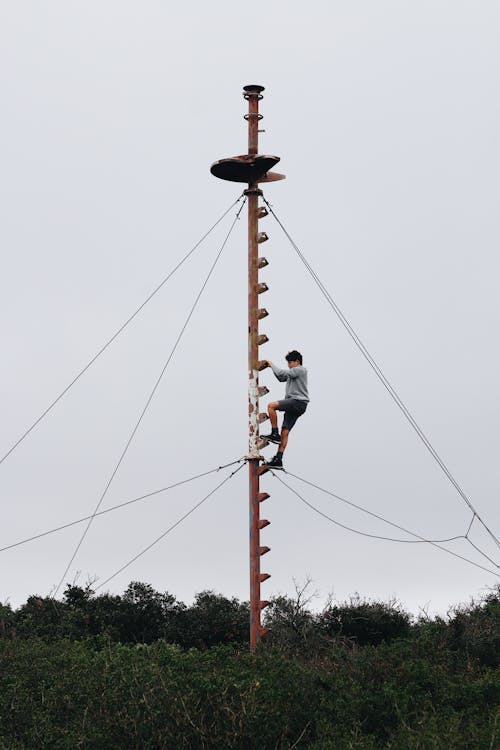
376, 536
171, 528
419, 539
115, 335
385, 382
151, 395
117, 507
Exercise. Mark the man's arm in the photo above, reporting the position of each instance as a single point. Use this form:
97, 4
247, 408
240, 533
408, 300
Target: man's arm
294, 372
280, 374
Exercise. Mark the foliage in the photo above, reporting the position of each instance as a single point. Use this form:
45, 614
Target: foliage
101, 672
141, 615
365, 622
475, 629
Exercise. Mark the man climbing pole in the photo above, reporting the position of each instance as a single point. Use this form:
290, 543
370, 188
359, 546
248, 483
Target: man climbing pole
294, 404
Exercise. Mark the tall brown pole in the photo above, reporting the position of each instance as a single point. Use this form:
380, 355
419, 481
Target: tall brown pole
253, 95
253, 169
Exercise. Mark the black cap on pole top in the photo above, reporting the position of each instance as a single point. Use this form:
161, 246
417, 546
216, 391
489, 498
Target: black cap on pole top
253, 89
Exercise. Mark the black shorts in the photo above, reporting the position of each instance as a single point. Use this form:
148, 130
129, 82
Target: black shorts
293, 409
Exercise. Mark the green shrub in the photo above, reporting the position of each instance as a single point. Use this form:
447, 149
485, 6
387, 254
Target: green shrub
99, 672
365, 622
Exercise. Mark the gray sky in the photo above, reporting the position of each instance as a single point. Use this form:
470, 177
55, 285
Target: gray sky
386, 118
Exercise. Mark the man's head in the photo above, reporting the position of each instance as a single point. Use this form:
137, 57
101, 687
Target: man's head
294, 358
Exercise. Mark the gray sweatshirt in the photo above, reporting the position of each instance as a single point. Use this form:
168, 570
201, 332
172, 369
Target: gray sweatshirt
296, 382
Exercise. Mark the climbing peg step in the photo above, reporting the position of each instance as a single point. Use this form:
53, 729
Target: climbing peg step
263, 416
263, 496
262, 313
262, 287
262, 262
263, 523
264, 550
264, 576
262, 339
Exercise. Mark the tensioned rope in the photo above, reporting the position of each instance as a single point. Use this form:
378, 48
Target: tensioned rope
376, 536
419, 539
120, 505
171, 528
151, 395
116, 334
385, 382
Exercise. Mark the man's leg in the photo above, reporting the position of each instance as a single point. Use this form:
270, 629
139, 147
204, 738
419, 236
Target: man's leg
284, 440
292, 413
277, 461
271, 410
274, 435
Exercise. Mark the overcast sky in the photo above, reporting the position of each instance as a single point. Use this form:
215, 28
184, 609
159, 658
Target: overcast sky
386, 118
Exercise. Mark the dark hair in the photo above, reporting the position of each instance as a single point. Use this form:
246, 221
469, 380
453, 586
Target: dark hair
294, 356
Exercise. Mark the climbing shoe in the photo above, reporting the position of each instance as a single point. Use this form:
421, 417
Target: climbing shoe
275, 463
273, 437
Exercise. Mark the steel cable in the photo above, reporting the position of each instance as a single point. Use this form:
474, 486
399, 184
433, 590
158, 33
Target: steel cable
117, 507
150, 397
478, 549
171, 528
374, 515
115, 335
383, 538
419, 539
385, 382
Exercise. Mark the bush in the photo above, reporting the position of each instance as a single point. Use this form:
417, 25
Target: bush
475, 629
141, 615
98, 695
103, 672
365, 622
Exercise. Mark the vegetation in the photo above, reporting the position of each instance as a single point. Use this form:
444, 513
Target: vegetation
143, 670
